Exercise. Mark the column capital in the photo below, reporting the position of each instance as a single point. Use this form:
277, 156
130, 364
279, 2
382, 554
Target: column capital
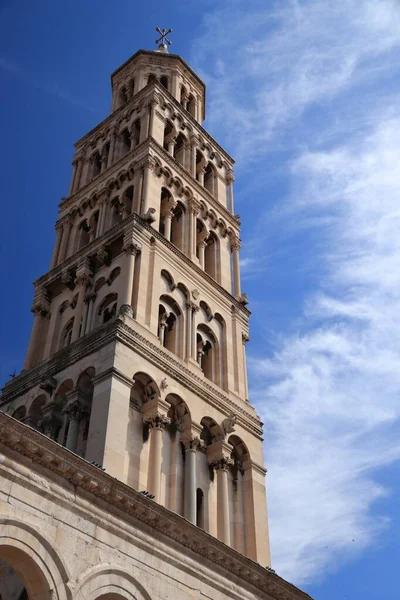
130, 247
194, 206
156, 422
192, 306
222, 464
230, 177
83, 278
192, 443
235, 243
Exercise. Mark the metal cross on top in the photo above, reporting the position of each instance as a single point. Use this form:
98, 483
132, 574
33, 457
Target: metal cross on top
163, 39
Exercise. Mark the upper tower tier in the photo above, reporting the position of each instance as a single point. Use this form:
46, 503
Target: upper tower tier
170, 70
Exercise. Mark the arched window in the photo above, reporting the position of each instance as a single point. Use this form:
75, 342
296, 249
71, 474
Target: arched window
165, 206
164, 81
211, 256
35, 410
84, 234
96, 164
199, 508
135, 133
170, 325
208, 353
66, 334
108, 308
184, 97
127, 200
93, 225
122, 97
209, 179
105, 153
19, 413
191, 106
116, 213
180, 150
178, 227
169, 134
125, 142
151, 78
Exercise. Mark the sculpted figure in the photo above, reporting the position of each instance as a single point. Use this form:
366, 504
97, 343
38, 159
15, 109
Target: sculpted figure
228, 424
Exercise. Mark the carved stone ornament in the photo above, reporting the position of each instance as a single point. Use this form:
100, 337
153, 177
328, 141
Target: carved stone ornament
148, 216
102, 256
195, 293
228, 424
131, 248
67, 279
126, 311
48, 384
157, 422
164, 384
222, 464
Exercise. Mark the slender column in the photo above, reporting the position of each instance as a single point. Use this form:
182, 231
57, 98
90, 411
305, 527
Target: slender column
194, 143
171, 146
67, 226
202, 248
131, 250
156, 425
235, 246
112, 148
73, 178
147, 168
40, 310
223, 527
201, 176
75, 412
194, 209
145, 125
167, 224
190, 480
194, 336
245, 339
188, 330
91, 301
137, 190
174, 479
103, 201
57, 245
82, 280
239, 514
230, 178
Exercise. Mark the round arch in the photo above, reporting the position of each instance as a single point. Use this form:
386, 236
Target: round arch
109, 582
34, 560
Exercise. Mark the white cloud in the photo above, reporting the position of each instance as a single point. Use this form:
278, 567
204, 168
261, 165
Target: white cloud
303, 80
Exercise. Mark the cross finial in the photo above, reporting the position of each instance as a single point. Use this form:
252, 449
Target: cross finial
163, 39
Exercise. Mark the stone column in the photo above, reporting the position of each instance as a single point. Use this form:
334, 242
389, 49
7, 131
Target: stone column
67, 226
168, 214
156, 426
239, 534
230, 178
245, 339
201, 173
78, 175
74, 412
235, 246
40, 309
171, 145
57, 245
147, 168
194, 143
137, 190
113, 140
82, 281
190, 480
194, 209
195, 309
131, 250
202, 247
73, 178
91, 298
188, 330
223, 525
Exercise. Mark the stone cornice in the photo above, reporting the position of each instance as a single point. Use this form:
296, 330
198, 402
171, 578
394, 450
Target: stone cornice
118, 330
88, 479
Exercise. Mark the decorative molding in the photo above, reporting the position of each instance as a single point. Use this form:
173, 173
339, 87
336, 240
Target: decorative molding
55, 461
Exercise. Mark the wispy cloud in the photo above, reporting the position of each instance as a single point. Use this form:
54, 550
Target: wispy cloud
313, 84
50, 88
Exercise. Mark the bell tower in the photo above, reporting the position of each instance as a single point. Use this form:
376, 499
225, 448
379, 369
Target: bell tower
136, 360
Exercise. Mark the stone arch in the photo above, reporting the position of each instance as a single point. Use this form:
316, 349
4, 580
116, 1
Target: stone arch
34, 560
35, 410
170, 327
109, 582
19, 413
211, 431
107, 309
144, 388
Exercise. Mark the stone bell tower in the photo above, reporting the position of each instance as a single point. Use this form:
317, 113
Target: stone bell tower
136, 360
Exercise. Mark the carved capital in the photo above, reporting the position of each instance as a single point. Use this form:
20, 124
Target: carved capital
131, 248
194, 206
192, 443
157, 422
230, 177
235, 243
222, 464
83, 279
102, 256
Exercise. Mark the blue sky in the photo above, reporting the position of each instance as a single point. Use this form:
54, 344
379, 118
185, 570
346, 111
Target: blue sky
305, 95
